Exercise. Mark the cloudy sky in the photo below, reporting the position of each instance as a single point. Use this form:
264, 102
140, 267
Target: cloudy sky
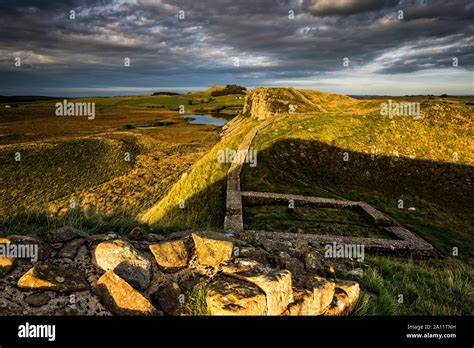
301, 43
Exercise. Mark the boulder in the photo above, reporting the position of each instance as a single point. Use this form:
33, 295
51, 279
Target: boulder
276, 284
154, 238
283, 260
323, 293
170, 255
44, 251
170, 299
70, 250
211, 252
121, 298
351, 289
45, 276
229, 296
303, 303
37, 299
65, 234
253, 253
339, 304
97, 238
122, 258
137, 234
312, 261
313, 298
6, 263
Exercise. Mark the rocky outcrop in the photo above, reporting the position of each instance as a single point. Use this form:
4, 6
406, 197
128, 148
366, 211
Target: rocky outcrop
121, 257
170, 255
228, 296
259, 104
46, 276
6, 263
186, 273
276, 284
211, 252
121, 298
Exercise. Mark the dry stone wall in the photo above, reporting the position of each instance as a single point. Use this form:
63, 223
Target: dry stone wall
113, 275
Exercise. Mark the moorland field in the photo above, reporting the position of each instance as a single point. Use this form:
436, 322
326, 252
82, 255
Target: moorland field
139, 159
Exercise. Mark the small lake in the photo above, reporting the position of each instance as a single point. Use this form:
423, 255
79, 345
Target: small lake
206, 119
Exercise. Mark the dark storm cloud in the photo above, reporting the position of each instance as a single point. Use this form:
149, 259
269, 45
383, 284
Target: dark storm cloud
346, 7
200, 50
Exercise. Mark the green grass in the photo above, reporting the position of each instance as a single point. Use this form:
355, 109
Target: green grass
202, 190
196, 301
428, 287
52, 170
302, 153
71, 158
312, 220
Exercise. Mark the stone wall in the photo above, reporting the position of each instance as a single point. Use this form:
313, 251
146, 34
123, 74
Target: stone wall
186, 273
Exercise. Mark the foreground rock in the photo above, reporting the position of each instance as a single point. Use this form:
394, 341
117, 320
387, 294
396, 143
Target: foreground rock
170, 255
169, 298
6, 263
70, 250
345, 297
228, 296
44, 250
37, 299
121, 297
211, 252
351, 289
122, 258
65, 234
45, 276
276, 284
179, 274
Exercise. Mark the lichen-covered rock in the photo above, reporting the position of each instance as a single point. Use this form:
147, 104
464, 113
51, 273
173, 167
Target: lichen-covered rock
44, 250
121, 298
314, 298
283, 260
137, 234
170, 255
312, 261
37, 299
276, 284
70, 250
323, 293
339, 304
6, 263
303, 303
45, 276
256, 254
8, 307
351, 288
228, 296
65, 234
122, 258
211, 252
170, 299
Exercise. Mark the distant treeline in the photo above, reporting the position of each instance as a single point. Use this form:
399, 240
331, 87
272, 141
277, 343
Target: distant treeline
229, 89
166, 93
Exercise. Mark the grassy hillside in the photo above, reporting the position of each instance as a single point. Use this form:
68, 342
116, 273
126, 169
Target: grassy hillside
65, 159
202, 190
320, 145
427, 163
387, 160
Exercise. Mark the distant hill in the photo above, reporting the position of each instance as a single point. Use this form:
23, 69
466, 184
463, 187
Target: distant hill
25, 98
263, 102
166, 93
